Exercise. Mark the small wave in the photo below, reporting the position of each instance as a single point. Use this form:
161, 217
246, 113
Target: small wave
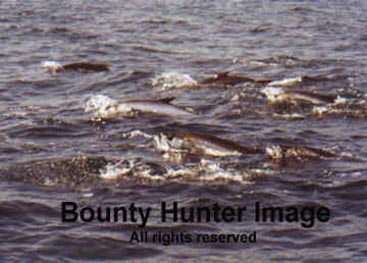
210, 171
171, 80
137, 133
206, 170
161, 50
290, 116
286, 60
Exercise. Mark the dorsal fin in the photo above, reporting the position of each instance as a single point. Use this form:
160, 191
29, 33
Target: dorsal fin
222, 74
166, 100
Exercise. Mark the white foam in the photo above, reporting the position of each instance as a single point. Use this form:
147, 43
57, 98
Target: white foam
273, 93
51, 66
97, 102
100, 105
130, 168
170, 80
290, 116
275, 152
224, 175
205, 171
340, 100
212, 171
320, 110
113, 171
137, 133
285, 82
181, 172
161, 143
164, 144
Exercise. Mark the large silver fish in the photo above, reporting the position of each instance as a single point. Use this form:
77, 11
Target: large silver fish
278, 95
299, 153
224, 78
84, 67
106, 108
201, 144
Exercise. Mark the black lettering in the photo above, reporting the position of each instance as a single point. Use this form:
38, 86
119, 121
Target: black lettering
207, 214
257, 212
116, 211
69, 215
144, 216
216, 210
292, 214
228, 214
107, 217
252, 237
132, 213
165, 212
272, 211
84, 213
323, 214
190, 212
134, 237
308, 216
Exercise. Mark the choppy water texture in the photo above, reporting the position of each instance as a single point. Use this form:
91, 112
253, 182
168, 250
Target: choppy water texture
52, 150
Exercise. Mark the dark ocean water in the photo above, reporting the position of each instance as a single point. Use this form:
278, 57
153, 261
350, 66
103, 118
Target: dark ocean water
45, 131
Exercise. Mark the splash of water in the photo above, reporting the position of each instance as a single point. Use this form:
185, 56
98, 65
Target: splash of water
171, 80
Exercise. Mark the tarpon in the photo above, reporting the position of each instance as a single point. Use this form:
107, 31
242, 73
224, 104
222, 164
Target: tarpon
278, 95
224, 78
201, 144
106, 108
298, 152
84, 67
310, 97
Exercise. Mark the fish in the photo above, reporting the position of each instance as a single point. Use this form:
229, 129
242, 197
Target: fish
224, 78
106, 108
83, 67
278, 95
201, 144
310, 97
299, 153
